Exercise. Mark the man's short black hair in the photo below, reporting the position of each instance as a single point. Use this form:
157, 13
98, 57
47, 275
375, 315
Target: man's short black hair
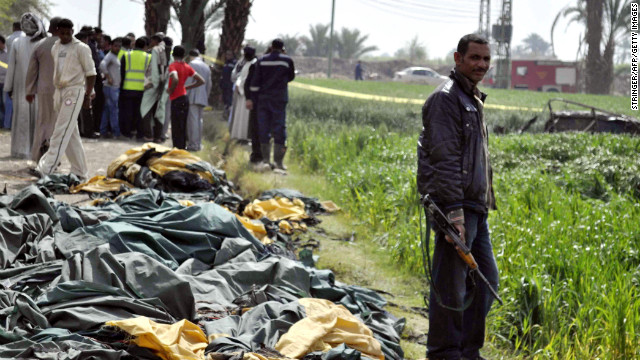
2, 40
97, 30
463, 44
130, 34
54, 21
17, 26
140, 43
194, 52
126, 42
157, 38
119, 40
107, 39
87, 29
65, 24
167, 41
277, 44
82, 35
178, 51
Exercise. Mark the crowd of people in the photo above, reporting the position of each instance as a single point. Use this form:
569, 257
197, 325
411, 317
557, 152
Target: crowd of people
67, 85
60, 87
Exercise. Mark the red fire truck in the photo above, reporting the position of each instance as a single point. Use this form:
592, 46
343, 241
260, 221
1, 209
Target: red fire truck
540, 75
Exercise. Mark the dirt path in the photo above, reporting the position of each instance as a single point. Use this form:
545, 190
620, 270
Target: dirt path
14, 173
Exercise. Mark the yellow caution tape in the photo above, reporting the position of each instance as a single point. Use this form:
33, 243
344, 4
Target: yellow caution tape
382, 98
214, 60
4, 65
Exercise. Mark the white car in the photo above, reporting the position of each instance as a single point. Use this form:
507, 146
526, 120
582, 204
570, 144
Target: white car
422, 75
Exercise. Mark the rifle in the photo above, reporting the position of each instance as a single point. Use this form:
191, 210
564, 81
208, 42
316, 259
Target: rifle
443, 223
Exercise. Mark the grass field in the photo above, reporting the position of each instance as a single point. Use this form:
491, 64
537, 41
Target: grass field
566, 235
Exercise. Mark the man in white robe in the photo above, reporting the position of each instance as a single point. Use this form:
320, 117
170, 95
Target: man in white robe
40, 86
154, 99
24, 114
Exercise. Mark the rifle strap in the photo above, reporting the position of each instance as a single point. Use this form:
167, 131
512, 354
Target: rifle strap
426, 263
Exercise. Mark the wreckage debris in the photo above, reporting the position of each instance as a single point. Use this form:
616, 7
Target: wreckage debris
593, 120
157, 274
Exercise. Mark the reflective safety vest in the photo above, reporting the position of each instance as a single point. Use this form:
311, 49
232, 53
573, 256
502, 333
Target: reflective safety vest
122, 52
135, 63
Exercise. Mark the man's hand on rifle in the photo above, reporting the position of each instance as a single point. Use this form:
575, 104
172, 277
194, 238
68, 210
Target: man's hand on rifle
461, 230
456, 217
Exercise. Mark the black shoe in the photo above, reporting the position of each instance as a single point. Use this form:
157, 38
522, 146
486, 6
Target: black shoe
35, 172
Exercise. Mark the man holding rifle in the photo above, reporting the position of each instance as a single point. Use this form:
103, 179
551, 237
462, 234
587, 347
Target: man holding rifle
454, 170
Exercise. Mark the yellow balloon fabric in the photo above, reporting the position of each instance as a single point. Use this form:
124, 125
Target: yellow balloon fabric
276, 209
100, 184
182, 340
327, 325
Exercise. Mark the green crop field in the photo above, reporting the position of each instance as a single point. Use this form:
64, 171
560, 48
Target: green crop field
566, 234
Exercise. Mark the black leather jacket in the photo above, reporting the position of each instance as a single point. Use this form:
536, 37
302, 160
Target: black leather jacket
453, 156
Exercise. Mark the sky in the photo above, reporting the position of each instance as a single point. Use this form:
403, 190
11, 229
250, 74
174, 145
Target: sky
390, 24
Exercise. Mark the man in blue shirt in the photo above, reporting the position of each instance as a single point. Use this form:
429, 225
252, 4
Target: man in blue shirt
273, 72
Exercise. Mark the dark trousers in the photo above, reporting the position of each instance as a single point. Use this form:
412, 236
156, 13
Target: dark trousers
129, 111
97, 104
254, 134
179, 113
85, 123
272, 121
2, 106
227, 95
110, 112
454, 334
151, 127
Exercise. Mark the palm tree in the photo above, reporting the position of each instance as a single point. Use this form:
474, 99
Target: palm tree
236, 18
157, 14
234, 24
193, 16
414, 51
317, 43
535, 45
350, 44
605, 21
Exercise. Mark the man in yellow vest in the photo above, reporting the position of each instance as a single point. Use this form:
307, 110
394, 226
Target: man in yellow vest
133, 66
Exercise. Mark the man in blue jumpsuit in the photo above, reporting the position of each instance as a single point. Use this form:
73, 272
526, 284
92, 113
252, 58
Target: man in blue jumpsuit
273, 72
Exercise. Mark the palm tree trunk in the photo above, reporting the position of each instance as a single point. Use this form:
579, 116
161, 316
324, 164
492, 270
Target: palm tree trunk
156, 16
236, 17
607, 64
595, 80
191, 16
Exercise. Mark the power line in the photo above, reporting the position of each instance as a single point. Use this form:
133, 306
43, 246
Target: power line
387, 8
428, 6
403, 6
403, 15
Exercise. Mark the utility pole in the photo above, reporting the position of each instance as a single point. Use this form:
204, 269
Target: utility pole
100, 15
502, 34
333, 13
485, 18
